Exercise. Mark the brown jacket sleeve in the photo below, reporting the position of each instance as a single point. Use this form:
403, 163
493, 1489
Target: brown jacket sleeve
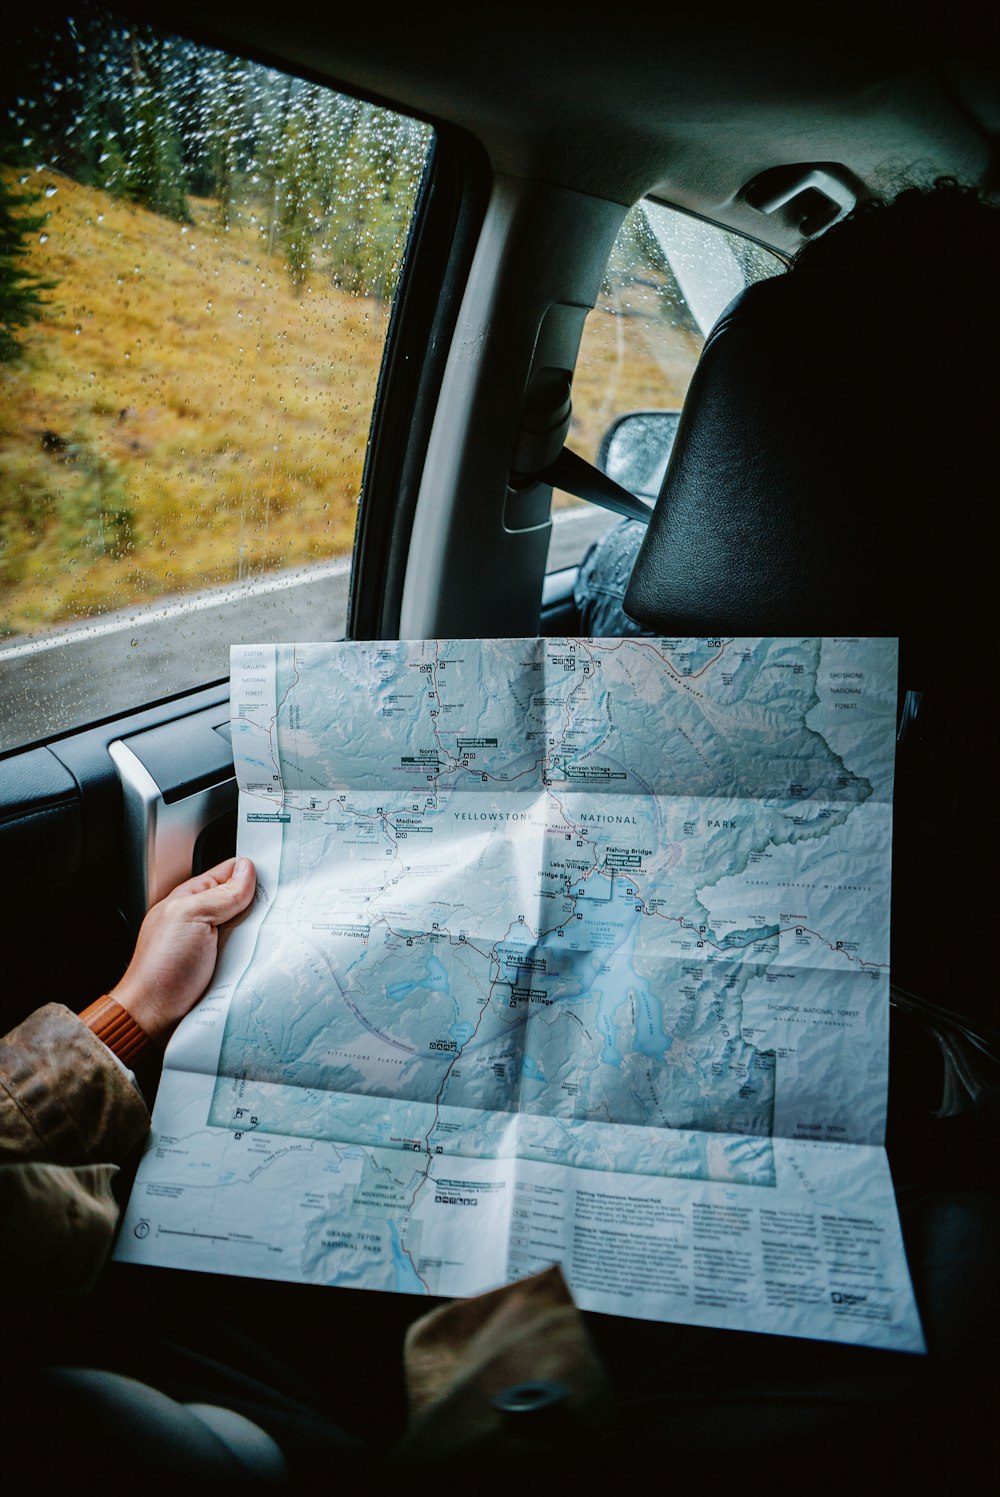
64, 1099
59, 1223
68, 1116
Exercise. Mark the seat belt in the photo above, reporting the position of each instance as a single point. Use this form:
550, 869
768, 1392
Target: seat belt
574, 475
545, 421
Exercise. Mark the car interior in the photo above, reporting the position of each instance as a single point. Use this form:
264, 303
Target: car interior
784, 509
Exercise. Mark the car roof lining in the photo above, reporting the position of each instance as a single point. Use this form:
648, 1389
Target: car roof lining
690, 113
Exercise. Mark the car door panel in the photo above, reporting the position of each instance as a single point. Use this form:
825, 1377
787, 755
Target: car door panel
80, 861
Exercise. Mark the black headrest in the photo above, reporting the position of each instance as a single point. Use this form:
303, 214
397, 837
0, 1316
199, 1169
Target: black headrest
824, 478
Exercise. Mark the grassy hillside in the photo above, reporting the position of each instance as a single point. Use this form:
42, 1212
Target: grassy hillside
181, 417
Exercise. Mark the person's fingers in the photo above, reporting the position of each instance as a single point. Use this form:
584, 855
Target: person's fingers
220, 874
222, 900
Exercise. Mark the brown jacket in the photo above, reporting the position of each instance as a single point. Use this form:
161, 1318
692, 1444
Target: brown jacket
69, 1116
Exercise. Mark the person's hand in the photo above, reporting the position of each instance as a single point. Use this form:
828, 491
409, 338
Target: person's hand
178, 943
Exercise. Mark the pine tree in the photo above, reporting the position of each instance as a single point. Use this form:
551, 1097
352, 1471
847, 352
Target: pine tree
21, 301
226, 119
298, 185
287, 144
154, 167
382, 160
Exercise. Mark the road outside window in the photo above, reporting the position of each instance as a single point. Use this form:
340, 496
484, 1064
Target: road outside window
198, 257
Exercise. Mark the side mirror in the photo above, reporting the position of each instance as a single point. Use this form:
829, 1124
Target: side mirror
635, 448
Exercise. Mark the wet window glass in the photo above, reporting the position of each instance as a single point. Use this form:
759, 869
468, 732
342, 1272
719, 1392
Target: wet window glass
198, 257
667, 280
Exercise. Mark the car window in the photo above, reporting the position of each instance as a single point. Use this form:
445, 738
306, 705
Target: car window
198, 259
668, 278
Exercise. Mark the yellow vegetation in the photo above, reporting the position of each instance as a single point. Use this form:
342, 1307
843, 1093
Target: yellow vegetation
182, 418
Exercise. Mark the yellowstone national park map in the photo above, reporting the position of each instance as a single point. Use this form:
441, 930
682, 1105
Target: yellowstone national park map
563, 950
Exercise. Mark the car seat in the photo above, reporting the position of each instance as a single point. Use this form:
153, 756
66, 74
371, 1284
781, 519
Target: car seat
817, 486
831, 476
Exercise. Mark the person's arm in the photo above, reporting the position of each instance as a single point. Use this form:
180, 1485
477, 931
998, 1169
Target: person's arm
69, 1111
63, 1098
173, 961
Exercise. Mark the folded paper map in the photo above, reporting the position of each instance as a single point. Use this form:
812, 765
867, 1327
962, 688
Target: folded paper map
563, 950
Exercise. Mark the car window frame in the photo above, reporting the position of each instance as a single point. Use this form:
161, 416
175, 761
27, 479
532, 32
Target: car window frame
446, 216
